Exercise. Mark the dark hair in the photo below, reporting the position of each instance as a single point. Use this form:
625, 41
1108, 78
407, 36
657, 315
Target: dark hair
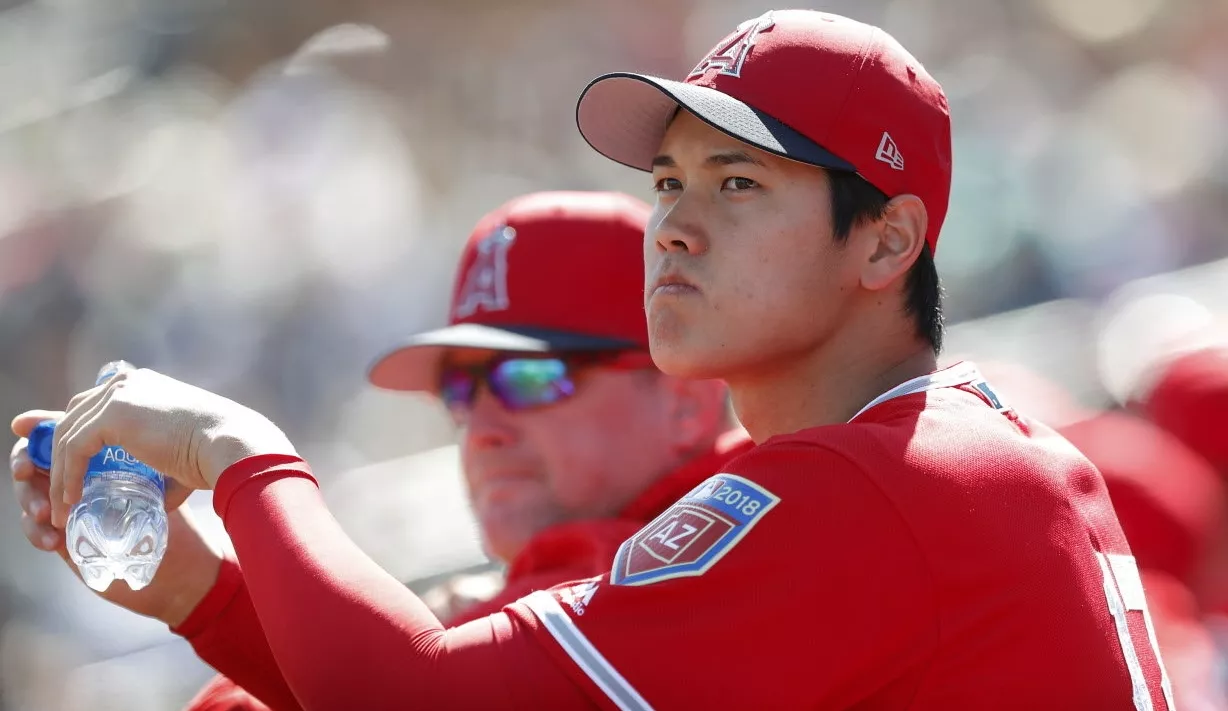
854, 200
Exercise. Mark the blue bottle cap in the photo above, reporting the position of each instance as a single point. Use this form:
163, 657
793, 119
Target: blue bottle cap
39, 444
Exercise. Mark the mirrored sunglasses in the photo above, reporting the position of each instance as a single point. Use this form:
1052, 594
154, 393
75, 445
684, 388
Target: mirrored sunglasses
526, 382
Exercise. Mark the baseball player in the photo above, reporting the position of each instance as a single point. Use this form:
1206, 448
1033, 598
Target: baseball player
899, 538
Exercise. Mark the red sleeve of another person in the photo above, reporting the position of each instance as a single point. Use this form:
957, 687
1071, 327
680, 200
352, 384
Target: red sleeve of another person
225, 632
797, 585
566, 552
222, 694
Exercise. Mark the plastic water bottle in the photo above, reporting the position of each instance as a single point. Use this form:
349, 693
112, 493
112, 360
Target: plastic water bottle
119, 528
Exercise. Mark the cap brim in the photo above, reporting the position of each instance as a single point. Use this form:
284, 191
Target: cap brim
413, 364
624, 117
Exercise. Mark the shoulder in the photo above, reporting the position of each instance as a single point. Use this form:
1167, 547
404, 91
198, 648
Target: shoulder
820, 459
795, 484
792, 504
807, 451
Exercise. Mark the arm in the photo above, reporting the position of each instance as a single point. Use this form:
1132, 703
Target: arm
226, 633
788, 597
348, 635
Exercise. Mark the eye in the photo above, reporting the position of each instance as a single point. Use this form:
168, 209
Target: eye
738, 184
665, 185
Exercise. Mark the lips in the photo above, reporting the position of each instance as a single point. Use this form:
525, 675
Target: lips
672, 282
499, 487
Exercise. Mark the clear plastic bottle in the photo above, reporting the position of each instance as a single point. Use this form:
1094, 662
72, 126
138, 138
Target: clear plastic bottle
119, 528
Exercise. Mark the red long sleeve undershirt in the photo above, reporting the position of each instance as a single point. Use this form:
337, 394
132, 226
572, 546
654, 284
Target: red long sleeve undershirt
346, 634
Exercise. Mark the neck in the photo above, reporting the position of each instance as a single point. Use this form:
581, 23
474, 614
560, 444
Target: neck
827, 385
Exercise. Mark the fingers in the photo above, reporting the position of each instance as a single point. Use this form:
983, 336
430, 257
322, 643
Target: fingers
41, 536
31, 486
25, 422
36, 515
76, 441
34, 500
85, 395
20, 466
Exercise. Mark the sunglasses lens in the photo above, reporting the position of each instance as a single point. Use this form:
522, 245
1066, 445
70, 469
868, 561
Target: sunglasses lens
456, 388
531, 382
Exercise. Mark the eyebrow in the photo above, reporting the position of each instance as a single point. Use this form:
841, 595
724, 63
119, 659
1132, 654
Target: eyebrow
716, 159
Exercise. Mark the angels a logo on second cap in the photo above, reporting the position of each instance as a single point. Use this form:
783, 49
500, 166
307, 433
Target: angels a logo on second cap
485, 285
729, 56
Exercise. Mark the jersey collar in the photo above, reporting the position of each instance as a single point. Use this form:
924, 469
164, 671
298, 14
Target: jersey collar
962, 373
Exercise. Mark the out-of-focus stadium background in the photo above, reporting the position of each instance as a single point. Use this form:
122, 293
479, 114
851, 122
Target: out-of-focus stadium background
259, 196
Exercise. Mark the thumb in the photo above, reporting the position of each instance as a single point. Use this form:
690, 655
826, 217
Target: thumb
24, 423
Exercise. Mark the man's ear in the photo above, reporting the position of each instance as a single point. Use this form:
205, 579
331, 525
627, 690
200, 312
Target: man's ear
897, 239
699, 412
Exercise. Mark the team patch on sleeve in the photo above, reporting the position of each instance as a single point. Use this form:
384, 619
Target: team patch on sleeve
694, 533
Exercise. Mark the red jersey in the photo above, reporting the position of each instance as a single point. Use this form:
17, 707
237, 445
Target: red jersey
938, 552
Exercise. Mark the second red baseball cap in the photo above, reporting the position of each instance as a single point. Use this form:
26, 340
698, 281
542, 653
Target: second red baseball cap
1190, 399
545, 272
810, 86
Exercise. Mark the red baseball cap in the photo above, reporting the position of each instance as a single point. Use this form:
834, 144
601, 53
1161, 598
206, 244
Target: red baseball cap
1190, 399
810, 86
546, 272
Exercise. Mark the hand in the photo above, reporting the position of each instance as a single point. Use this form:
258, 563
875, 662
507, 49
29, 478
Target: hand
188, 434
188, 570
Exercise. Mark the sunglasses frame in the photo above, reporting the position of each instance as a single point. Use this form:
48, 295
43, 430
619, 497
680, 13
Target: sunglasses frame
573, 361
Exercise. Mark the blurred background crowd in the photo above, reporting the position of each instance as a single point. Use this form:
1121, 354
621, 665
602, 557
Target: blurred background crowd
260, 196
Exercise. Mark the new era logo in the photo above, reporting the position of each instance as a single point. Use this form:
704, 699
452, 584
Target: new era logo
889, 153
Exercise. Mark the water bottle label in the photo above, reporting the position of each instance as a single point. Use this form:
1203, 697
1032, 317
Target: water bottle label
115, 459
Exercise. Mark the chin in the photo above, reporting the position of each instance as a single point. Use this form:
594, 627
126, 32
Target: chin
684, 346
686, 360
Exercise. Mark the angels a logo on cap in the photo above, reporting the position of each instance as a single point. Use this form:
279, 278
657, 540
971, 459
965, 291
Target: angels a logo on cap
485, 284
729, 57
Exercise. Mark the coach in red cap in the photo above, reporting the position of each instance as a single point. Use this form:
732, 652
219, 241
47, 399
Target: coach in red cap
545, 367
899, 539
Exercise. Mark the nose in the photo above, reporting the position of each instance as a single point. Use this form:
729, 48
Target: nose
674, 231
488, 425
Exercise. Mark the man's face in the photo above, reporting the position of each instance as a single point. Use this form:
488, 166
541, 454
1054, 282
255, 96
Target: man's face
586, 456
752, 235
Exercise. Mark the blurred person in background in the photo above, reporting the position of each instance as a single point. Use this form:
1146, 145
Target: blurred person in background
1171, 505
571, 439
1173, 509
1186, 393
1189, 398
